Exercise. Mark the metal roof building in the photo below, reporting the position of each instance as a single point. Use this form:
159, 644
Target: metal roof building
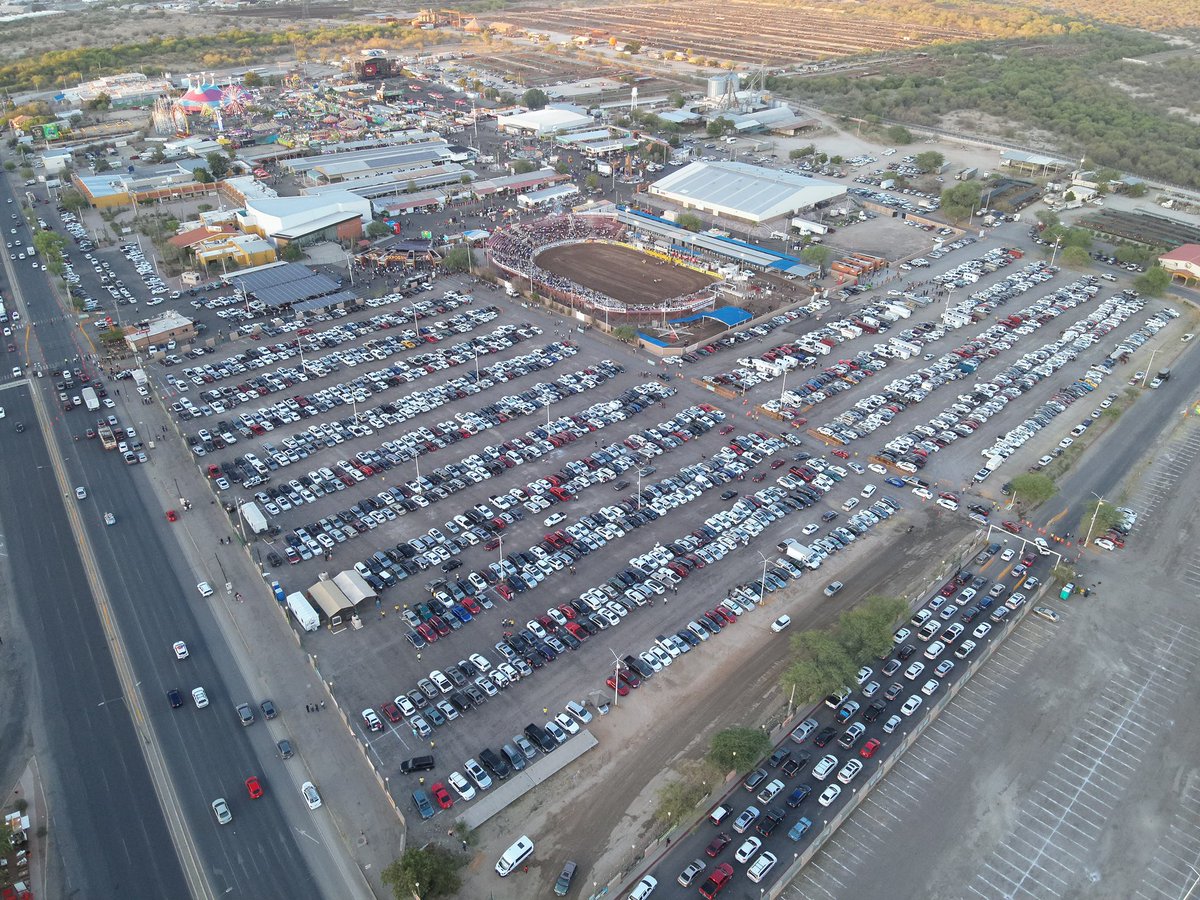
283, 284
742, 191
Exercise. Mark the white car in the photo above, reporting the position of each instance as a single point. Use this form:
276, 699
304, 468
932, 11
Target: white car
831, 793
308, 790
110, 519
811, 528
781, 623
200, 697
80, 493
221, 810
203, 587
567, 724
748, 849
461, 786
554, 519
181, 650
911, 705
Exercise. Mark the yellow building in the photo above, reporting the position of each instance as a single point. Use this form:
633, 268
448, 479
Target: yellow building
236, 250
1183, 263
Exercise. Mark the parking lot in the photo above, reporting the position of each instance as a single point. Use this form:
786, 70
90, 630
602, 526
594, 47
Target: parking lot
373, 460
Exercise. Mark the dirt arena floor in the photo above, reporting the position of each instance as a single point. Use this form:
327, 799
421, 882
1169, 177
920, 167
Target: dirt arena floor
622, 273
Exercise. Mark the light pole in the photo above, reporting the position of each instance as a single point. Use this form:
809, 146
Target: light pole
1149, 365
1092, 524
1054, 252
762, 588
616, 674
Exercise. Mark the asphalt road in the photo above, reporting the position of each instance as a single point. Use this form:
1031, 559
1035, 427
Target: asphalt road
265, 851
107, 833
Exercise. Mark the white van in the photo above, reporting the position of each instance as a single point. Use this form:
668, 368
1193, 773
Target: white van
520, 851
764, 864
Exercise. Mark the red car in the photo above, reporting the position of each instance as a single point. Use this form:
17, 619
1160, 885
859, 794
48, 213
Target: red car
214, 471
438, 623
253, 788
841, 454
626, 677
577, 631
778, 464
720, 877
172, 516
425, 631
472, 607
567, 610
1011, 527
725, 429
869, 748
620, 687
946, 495
717, 844
723, 615
391, 712
441, 795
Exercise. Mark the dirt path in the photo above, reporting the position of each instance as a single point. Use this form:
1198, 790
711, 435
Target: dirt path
598, 811
622, 273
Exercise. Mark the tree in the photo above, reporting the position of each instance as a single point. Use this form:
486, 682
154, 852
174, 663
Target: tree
72, 200
626, 333
218, 164
817, 256
1154, 282
534, 98
689, 221
866, 631
1137, 255
677, 799
434, 869
252, 80
26, 172
738, 748
592, 182
1097, 518
1034, 488
157, 153
291, 252
959, 201
718, 126
930, 161
523, 166
102, 165
561, 168
821, 665
676, 99
899, 134
377, 229
201, 175
1048, 217
100, 101
10, 166
1137, 189
457, 260
801, 152
1076, 257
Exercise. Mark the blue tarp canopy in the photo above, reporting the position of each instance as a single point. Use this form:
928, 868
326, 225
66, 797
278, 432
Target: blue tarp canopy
729, 316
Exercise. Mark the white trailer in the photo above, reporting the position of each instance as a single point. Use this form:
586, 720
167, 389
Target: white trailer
809, 227
90, 400
303, 612
254, 517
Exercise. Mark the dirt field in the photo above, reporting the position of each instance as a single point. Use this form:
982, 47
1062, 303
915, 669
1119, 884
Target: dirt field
622, 273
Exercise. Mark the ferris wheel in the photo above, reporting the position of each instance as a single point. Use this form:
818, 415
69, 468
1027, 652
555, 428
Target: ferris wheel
235, 99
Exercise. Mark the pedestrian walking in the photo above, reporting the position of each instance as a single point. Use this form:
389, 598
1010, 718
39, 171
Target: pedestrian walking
322, 704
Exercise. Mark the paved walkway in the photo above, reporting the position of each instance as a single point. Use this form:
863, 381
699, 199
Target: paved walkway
266, 648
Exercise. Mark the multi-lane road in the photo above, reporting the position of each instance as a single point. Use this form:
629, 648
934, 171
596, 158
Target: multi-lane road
114, 836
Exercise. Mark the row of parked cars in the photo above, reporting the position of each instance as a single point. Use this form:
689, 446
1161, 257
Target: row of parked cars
791, 778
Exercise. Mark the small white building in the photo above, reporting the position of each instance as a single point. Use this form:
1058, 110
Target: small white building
554, 118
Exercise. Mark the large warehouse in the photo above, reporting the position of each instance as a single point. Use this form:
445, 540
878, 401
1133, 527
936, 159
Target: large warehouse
745, 192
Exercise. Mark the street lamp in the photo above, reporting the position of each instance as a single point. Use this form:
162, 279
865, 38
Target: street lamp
1092, 524
1053, 253
762, 589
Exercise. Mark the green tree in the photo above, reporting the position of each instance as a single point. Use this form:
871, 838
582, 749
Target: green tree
457, 260
534, 98
676, 99
899, 134
818, 256
1137, 189
252, 80
678, 798
157, 153
523, 166
866, 631
201, 175
930, 160
428, 872
72, 200
592, 182
1076, 257
801, 152
561, 168
719, 126
218, 164
1153, 282
291, 252
626, 333
10, 166
689, 221
102, 165
960, 200
26, 172
1048, 217
738, 748
1033, 488
100, 101
1097, 518
821, 665
377, 229
1137, 255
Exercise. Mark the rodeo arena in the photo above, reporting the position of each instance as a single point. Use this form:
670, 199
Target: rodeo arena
626, 267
